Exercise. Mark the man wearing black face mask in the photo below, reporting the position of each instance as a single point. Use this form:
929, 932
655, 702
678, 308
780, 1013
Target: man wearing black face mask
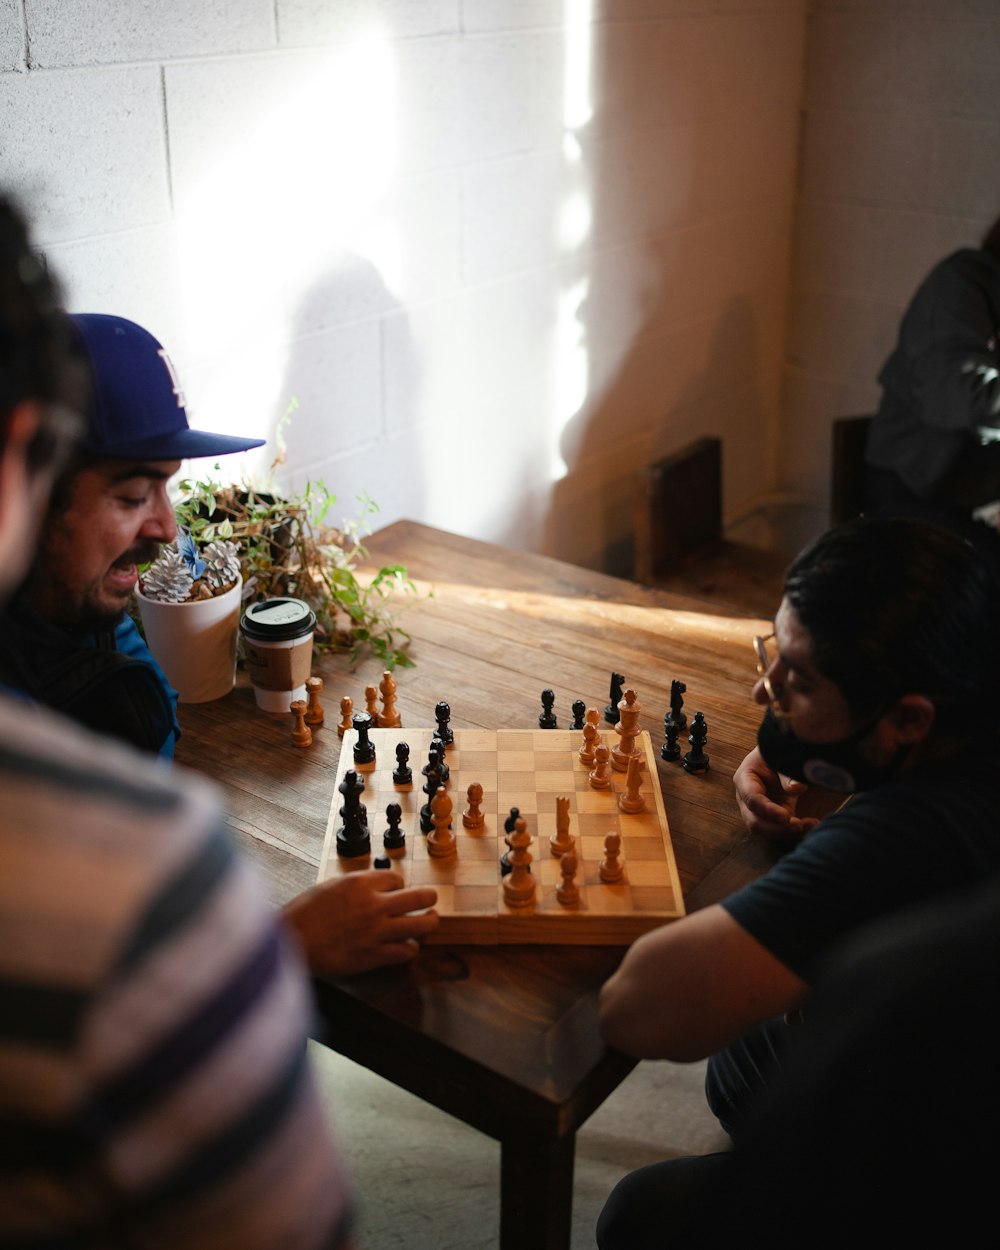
881, 679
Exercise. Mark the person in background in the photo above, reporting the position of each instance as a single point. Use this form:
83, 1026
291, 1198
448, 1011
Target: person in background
880, 1131
880, 680
154, 1087
68, 642
933, 448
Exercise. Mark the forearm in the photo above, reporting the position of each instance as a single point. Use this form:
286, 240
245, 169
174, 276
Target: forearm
690, 988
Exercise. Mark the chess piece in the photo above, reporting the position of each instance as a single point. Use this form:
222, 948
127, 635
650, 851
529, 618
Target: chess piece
301, 733
519, 884
591, 736
508, 827
393, 839
611, 865
567, 891
562, 840
435, 759
670, 750
627, 730
346, 712
371, 703
441, 841
364, 748
696, 761
547, 719
314, 712
579, 707
600, 777
442, 714
473, 817
402, 774
388, 717
430, 787
675, 716
611, 711
381, 861
632, 801
353, 838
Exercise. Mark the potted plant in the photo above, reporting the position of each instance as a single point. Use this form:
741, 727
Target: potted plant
289, 547
189, 604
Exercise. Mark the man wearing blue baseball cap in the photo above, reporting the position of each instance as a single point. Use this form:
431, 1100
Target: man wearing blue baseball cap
68, 641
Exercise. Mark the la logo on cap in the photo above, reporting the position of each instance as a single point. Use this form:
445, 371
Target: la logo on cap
175, 381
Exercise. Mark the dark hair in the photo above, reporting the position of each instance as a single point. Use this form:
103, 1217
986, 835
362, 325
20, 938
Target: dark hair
38, 357
896, 606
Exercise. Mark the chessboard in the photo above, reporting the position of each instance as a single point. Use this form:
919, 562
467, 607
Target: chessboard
528, 769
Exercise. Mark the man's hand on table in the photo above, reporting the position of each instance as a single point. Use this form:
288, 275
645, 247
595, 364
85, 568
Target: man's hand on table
360, 921
767, 800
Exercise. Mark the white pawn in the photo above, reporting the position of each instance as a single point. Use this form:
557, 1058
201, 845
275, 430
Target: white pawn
371, 703
473, 817
600, 778
519, 884
611, 865
568, 892
441, 840
591, 736
389, 717
346, 713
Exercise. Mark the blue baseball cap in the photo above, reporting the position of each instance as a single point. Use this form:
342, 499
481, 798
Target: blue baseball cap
137, 409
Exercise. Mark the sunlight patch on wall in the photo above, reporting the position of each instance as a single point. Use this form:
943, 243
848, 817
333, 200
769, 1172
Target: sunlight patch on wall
573, 225
298, 174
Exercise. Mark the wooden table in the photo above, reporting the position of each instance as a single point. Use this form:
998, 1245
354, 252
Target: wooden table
503, 1038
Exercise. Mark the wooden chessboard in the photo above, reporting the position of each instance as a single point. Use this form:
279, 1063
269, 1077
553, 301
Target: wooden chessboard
528, 769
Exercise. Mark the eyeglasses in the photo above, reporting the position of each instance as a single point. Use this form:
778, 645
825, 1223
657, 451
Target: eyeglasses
767, 657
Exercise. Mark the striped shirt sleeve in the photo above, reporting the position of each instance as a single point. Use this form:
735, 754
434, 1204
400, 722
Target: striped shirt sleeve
154, 1089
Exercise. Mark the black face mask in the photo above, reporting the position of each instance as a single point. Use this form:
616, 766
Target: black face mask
833, 765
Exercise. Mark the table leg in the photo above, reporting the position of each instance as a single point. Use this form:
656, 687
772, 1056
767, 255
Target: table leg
536, 1192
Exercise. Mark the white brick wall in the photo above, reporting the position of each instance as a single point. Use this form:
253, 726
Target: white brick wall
900, 135
501, 252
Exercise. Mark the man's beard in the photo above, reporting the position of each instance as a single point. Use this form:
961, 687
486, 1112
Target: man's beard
82, 614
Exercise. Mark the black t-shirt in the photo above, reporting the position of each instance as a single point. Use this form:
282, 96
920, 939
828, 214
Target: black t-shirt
922, 835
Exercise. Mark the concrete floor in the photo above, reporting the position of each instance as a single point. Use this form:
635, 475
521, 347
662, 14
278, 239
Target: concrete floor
427, 1182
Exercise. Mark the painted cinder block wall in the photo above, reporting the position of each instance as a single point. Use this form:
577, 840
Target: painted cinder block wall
499, 252
900, 143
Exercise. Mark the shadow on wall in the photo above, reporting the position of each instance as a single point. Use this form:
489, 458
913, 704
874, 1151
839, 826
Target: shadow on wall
336, 374
643, 415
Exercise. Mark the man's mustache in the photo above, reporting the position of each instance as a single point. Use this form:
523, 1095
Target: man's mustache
141, 553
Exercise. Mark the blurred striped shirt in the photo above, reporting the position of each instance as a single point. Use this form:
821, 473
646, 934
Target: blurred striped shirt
153, 1082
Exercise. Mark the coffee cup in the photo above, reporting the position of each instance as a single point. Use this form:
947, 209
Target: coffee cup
277, 643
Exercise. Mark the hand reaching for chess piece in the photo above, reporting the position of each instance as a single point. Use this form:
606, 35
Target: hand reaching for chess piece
360, 921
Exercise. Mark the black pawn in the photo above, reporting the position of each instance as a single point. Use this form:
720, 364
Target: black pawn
696, 761
547, 719
508, 827
442, 714
364, 748
675, 716
611, 711
381, 861
435, 754
394, 839
402, 774
579, 712
430, 788
670, 750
